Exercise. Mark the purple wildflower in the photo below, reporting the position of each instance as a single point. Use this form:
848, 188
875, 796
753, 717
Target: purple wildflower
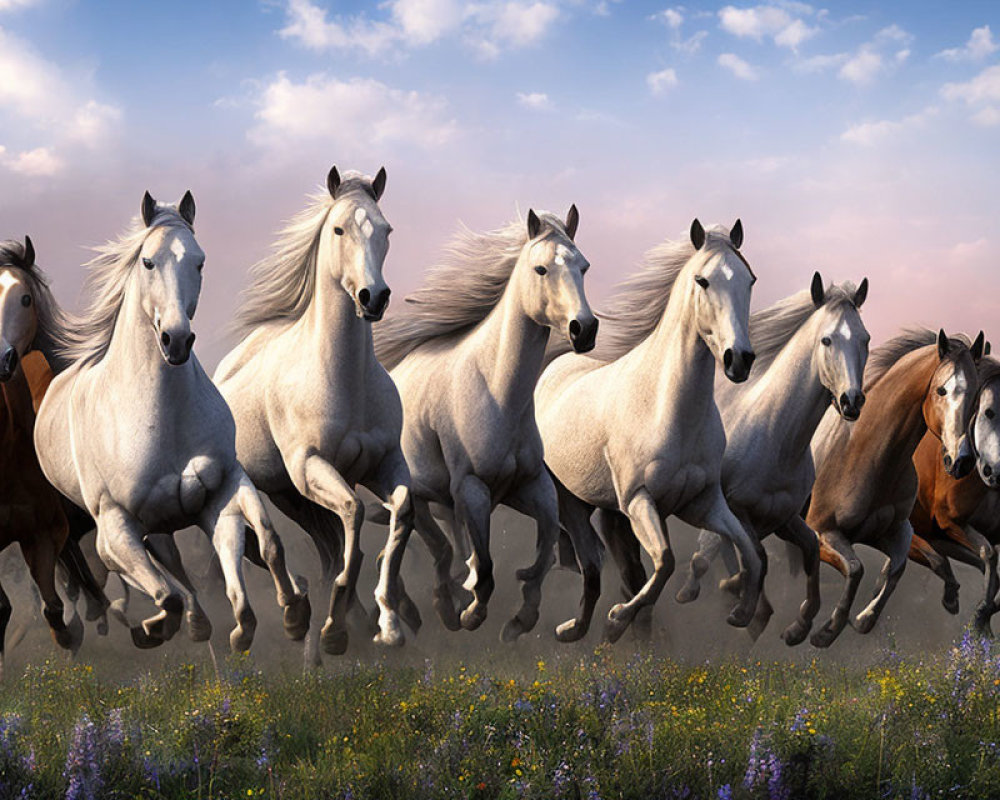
83, 768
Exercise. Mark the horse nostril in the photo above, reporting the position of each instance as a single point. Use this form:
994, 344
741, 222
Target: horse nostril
165, 338
987, 470
575, 328
860, 401
844, 401
947, 461
190, 342
364, 296
749, 358
727, 358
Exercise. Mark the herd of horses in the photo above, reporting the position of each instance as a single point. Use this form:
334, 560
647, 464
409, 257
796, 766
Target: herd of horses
491, 386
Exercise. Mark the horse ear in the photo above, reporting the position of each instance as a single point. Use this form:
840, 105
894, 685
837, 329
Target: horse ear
978, 346
987, 348
333, 181
572, 221
816, 290
29, 252
378, 185
148, 209
697, 234
736, 234
861, 293
942, 343
534, 224
186, 208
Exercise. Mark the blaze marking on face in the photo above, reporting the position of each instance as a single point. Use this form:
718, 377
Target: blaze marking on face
845, 330
955, 382
562, 251
727, 271
7, 279
178, 249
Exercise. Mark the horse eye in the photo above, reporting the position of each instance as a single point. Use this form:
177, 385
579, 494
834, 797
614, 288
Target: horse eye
702, 282
26, 300
825, 341
148, 263
339, 231
942, 391
541, 270
990, 413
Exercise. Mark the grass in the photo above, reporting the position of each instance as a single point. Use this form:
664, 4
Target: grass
605, 726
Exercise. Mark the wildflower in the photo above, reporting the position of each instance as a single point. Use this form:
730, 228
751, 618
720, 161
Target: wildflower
83, 770
725, 792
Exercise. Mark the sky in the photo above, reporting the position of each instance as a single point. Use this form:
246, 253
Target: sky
862, 139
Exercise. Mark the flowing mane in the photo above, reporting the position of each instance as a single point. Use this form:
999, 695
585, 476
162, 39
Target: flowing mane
989, 370
472, 276
107, 281
883, 357
636, 307
772, 328
56, 328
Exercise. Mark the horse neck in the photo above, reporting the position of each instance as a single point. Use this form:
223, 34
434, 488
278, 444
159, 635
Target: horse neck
340, 341
675, 357
790, 395
16, 411
512, 351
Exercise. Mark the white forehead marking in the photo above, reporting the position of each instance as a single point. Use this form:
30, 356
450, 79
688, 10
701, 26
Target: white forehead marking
956, 381
360, 215
178, 249
367, 228
845, 330
7, 279
727, 271
561, 252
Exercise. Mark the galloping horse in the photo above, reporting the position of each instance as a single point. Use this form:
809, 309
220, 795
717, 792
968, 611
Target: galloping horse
865, 480
636, 428
316, 414
466, 358
811, 352
961, 518
31, 513
165, 458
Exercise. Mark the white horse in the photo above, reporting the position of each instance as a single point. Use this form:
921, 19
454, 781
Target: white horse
135, 432
636, 428
316, 414
811, 353
466, 358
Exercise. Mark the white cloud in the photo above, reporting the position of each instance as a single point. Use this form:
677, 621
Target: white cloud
982, 94
349, 114
672, 17
11, 5
862, 67
894, 33
690, 45
661, 82
869, 134
772, 21
979, 46
736, 65
40, 162
535, 100
490, 27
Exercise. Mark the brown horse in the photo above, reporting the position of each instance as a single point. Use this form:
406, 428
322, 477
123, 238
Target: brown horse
31, 511
959, 518
866, 483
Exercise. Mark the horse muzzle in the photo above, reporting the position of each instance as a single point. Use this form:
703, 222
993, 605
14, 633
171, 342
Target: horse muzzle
962, 465
989, 474
737, 363
849, 404
8, 364
373, 307
583, 334
176, 348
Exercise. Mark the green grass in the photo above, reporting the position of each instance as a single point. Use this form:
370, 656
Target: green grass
605, 726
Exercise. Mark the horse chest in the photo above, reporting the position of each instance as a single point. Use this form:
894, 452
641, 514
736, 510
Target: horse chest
673, 485
172, 496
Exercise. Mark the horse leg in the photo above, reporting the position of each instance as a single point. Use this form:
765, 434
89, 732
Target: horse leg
80, 576
441, 551
624, 549
980, 546
796, 532
896, 546
708, 548
574, 516
164, 549
537, 499
225, 525
291, 592
40, 554
835, 549
5, 612
472, 516
318, 481
720, 519
924, 553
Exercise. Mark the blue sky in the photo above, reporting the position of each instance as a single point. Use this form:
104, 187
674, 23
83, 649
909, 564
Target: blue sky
859, 139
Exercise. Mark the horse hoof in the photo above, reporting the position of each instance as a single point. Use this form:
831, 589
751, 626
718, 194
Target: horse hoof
162, 626
199, 627
950, 604
824, 637
334, 641
733, 584
864, 623
570, 631
618, 620
795, 633
296, 617
445, 609
143, 640
740, 617
689, 592
473, 616
240, 639
391, 637
102, 625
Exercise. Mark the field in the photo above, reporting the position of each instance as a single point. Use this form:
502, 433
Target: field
601, 726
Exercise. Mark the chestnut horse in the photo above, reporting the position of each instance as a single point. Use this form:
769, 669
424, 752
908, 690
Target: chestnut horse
31, 513
866, 484
959, 518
